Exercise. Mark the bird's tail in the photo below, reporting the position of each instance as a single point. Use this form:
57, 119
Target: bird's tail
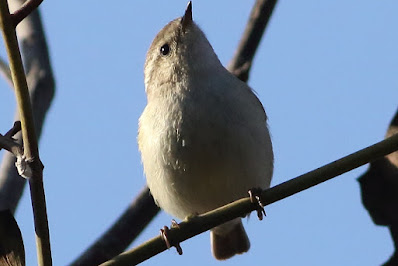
229, 239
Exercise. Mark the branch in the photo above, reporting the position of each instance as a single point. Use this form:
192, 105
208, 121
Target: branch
14, 130
41, 89
8, 143
27, 8
122, 233
259, 17
242, 207
10, 146
31, 151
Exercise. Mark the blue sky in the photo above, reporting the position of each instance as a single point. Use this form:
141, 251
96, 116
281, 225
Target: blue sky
326, 73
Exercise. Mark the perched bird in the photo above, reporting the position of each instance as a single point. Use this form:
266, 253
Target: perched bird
203, 135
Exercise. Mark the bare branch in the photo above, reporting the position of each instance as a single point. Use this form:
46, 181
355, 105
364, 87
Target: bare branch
242, 207
8, 143
41, 88
14, 130
10, 146
31, 150
27, 8
259, 17
127, 227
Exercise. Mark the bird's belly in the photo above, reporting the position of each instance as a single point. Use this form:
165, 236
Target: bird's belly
202, 171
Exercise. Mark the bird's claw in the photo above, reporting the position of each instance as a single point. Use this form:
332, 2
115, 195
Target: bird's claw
255, 198
174, 224
164, 235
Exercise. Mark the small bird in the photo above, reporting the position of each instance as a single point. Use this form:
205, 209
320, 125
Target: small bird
203, 134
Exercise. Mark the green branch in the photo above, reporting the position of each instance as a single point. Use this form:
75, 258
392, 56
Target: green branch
8, 24
242, 207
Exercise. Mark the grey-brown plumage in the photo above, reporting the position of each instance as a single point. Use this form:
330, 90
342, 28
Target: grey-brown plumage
234, 240
203, 135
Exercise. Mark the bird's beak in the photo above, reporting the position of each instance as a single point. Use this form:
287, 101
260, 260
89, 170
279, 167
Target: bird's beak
187, 18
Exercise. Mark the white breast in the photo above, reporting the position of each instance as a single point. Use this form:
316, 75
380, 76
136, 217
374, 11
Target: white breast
205, 147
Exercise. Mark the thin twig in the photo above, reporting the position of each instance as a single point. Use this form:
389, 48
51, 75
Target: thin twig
10, 145
127, 227
31, 151
259, 17
14, 130
24, 11
242, 207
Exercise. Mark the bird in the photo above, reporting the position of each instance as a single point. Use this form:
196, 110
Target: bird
203, 135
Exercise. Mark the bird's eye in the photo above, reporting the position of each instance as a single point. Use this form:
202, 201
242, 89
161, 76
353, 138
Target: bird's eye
165, 49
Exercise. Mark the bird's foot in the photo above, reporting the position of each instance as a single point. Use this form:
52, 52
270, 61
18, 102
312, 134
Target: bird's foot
255, 198
169, 243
